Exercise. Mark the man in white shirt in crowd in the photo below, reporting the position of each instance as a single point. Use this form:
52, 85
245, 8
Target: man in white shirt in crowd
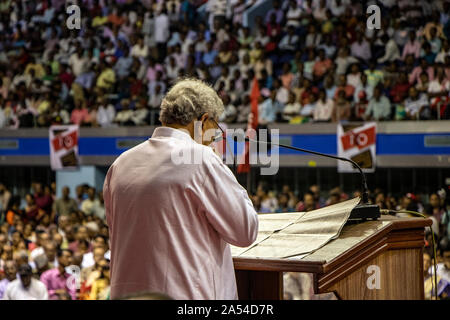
99, 249
292, 108
415, 104
123, 117
140, 114
26, 287
78, 61
162, 33
139, 50
90, 205
105, 112
217, 10
290, 40
379, 107
324, 107
41, 240
364, 86
391, 52
293, 14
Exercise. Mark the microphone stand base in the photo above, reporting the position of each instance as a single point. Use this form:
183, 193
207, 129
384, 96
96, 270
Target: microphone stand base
364, 212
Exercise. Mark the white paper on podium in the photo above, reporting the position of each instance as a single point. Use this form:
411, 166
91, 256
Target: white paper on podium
268, 224
297, 234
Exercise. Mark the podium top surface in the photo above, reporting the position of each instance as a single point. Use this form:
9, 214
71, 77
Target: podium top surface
386, 233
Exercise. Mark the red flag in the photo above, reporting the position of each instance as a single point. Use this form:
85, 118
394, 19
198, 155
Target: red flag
252, 124
361, 139
67, 141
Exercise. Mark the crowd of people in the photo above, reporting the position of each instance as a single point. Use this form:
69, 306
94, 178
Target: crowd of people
53, 248
313, 60
58, 248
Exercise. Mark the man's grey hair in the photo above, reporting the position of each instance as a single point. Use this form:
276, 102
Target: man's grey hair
21, 254
188, 100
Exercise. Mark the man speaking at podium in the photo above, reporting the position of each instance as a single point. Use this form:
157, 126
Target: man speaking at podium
170, 221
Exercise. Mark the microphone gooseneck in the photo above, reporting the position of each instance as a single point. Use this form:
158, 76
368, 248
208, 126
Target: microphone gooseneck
365, 189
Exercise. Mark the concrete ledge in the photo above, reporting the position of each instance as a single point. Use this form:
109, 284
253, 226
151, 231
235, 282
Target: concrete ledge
442, 126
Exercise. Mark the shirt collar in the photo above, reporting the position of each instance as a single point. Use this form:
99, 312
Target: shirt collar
171, 133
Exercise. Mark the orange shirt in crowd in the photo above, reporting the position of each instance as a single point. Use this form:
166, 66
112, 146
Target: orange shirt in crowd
321, 67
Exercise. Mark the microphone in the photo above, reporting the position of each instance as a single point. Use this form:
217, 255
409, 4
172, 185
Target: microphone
364, 210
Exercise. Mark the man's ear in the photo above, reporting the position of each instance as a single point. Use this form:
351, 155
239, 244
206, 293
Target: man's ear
204, 117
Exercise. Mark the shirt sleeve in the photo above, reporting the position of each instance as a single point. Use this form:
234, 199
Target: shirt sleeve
45, 281
226, 204
44, 293
107, 198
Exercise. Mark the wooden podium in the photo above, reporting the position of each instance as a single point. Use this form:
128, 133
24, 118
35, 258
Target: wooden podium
393, 245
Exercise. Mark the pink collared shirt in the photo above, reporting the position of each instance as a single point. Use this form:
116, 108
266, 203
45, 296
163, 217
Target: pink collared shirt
53, 280
171, 224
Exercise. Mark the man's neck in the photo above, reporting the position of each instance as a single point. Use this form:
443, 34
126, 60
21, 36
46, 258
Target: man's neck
180, 127
61, 269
